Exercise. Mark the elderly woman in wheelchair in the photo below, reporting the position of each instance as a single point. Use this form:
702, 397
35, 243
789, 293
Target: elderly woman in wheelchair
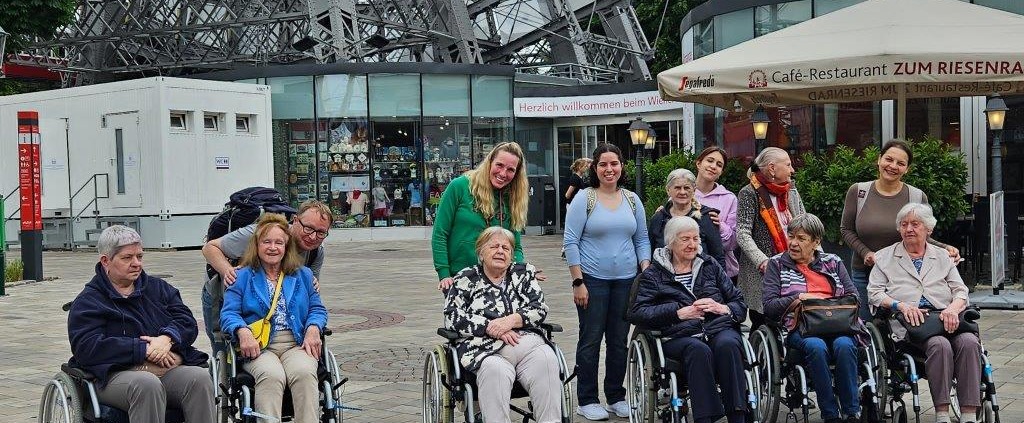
131, 339
804, 274
277, 318
918, 285
686, 298
497, 309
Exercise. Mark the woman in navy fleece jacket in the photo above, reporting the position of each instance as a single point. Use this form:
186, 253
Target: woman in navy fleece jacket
133, 333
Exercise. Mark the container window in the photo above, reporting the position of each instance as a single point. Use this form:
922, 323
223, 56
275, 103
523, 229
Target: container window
242, 124
179, 121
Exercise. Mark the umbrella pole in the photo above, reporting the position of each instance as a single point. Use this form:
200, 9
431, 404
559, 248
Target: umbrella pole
901, 111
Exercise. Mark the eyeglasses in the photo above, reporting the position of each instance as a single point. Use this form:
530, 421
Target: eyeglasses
309, 230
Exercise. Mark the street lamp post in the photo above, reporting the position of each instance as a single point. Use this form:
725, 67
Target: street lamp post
995, 111
760, 121
638, 130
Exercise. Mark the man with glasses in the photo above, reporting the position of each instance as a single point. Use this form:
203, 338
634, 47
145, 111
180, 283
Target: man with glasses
309, 227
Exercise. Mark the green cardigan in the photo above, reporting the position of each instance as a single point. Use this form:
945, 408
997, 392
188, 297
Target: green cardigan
457, 226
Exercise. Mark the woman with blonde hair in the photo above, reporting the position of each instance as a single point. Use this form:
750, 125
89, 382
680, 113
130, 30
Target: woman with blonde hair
493, 194
272, 277
577, 179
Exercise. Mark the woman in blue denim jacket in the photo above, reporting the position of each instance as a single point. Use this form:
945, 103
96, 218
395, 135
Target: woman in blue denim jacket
290, 358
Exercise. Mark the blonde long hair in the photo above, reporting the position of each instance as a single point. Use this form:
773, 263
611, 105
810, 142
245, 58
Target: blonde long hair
268, 221
483, 192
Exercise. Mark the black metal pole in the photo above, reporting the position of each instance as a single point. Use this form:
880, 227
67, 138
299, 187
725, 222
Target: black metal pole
997, 185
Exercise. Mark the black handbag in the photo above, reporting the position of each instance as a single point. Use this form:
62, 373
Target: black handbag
828, 317
932, 326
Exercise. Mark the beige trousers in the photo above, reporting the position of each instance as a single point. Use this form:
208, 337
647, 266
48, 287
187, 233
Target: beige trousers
282, 363
533, 363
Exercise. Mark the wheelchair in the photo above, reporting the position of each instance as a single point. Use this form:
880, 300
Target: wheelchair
235, 393
71, 397
900, 366
782, 377
653, 382
449, 389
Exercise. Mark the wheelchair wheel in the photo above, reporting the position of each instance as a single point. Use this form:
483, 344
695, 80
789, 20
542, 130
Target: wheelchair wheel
879, 366
61, 401
642, 398
437, 400
332, 388
568, 399
768, 364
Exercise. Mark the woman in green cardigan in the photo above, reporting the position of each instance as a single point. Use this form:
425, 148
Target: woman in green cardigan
493, 194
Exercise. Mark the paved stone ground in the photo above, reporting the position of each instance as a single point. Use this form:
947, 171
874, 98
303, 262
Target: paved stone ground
384, 309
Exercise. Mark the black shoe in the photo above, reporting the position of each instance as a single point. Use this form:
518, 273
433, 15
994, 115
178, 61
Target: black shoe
835, 420
853, 419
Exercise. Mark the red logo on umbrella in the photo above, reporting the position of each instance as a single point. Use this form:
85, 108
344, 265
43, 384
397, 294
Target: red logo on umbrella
757, 79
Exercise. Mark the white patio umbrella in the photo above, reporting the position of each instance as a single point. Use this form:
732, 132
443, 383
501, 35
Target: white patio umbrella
875, 50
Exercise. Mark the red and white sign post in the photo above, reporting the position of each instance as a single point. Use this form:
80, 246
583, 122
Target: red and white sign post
30, 192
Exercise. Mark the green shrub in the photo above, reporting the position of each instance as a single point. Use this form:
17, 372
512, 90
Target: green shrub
938, 170
14, 271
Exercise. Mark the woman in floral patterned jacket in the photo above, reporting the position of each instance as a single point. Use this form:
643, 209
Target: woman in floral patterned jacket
497, 307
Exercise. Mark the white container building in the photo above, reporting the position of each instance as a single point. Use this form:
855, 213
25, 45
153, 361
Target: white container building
159, 154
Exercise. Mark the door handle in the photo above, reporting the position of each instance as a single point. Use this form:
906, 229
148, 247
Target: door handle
111, 161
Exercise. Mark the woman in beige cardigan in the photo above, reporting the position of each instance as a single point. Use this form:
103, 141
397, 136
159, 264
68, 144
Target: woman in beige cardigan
913, 277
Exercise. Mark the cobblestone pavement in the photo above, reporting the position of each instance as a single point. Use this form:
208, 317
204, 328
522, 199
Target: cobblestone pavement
384, 309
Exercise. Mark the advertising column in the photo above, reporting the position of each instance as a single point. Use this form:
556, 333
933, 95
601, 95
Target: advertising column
30, 191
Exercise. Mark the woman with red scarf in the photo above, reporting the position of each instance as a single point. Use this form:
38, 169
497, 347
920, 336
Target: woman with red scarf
766, 206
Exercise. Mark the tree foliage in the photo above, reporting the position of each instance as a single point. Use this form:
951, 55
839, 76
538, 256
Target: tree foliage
24, 19
668, 51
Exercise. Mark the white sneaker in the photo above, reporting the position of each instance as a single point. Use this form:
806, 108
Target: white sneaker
592, 412
620, 409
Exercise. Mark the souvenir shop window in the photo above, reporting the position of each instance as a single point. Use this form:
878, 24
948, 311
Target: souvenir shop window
302, 160
396, 160
446, 155
345, 155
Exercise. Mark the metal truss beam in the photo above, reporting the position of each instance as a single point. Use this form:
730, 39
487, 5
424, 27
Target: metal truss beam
169, 37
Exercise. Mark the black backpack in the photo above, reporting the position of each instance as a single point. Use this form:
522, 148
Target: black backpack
243, 208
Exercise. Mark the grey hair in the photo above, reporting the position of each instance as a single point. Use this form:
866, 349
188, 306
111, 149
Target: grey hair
489, 233
685, 174
679, 224
116, 237
768, 156
922, 211
809, 224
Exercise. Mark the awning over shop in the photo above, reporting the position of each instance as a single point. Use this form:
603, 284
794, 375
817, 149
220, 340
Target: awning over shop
875, 50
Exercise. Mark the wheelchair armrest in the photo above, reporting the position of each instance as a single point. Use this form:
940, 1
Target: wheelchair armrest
77, 373
972, 314
551, 327
448, 334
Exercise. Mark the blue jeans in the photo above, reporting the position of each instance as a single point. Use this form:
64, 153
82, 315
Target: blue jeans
816, 358
860, 280
208, 320
604, 317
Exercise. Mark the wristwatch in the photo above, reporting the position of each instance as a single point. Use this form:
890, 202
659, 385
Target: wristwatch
577, 282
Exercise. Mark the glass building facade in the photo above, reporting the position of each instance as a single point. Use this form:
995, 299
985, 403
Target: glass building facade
719, 24
380, 147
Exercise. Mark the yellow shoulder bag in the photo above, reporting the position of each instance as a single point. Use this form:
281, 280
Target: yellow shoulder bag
261, 328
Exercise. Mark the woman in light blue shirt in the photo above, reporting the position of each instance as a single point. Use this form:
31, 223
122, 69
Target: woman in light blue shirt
605, 241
